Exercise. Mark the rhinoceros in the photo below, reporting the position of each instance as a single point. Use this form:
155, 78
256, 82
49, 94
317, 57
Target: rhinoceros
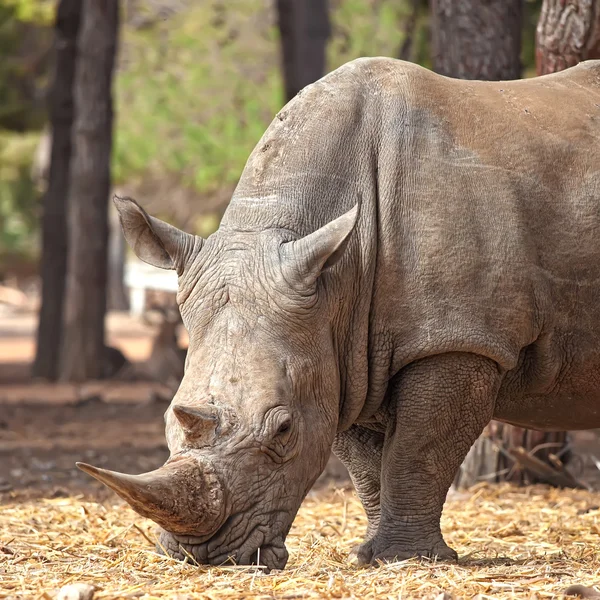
405, 257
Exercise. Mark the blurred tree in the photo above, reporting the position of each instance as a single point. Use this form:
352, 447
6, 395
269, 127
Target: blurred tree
83, 350
304, 30
53, 265
411, 30
477, 39
25, 50
567, 33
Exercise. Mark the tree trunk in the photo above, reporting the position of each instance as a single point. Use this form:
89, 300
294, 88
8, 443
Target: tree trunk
410, 26
85, 301
477, 39
567, 33
117, 298
304, 29
53, 264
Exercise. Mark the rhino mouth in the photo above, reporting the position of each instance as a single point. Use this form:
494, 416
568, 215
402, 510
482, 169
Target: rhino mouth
259, 548
187, 500
248, 536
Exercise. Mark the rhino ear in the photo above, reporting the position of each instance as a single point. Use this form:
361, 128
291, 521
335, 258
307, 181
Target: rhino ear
154, 241
305, 259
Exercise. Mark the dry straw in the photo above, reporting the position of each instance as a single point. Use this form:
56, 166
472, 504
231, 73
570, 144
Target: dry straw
514, 543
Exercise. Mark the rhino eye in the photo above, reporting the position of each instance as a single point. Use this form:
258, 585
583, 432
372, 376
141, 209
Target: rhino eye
284, 427
278, 426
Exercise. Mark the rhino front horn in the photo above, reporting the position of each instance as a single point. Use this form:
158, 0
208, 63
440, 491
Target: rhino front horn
183, 496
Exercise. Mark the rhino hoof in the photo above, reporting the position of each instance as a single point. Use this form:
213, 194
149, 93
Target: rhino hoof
374, 553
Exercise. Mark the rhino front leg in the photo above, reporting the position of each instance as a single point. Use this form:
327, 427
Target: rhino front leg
360, 451
442, 404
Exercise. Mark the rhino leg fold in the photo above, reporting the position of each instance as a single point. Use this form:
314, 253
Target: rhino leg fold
360, 450
442, 404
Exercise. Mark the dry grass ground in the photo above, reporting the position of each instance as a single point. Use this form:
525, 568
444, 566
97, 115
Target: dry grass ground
514, 543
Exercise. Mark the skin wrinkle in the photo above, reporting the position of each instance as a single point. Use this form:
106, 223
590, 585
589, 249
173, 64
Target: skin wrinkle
217, 553
218, 550
237, 528
448, 306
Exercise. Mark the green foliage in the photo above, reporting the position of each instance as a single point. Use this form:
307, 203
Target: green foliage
25, 40
24, 48
366, 28
32, 11
18, 196
196, 92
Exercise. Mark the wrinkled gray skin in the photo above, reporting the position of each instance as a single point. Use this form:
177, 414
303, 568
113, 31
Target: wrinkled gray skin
466, 287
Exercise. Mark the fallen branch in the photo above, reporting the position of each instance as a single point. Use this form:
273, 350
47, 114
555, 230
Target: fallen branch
557, 476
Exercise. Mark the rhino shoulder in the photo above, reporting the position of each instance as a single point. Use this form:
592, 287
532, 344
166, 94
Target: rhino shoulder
377, 74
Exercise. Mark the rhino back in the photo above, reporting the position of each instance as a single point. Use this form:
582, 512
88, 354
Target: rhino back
481, 213
312, 160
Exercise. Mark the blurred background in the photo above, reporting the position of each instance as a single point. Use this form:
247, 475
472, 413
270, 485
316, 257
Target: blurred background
163, 100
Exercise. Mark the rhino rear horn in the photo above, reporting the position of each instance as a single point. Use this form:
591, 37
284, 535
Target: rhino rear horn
303, 260
183, 496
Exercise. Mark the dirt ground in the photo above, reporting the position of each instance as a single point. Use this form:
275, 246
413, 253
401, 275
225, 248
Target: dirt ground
39, 444
45, 429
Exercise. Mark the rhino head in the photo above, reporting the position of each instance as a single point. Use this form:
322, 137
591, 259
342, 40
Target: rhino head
251, 426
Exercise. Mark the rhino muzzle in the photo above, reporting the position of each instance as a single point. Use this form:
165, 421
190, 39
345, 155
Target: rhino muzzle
184, 496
